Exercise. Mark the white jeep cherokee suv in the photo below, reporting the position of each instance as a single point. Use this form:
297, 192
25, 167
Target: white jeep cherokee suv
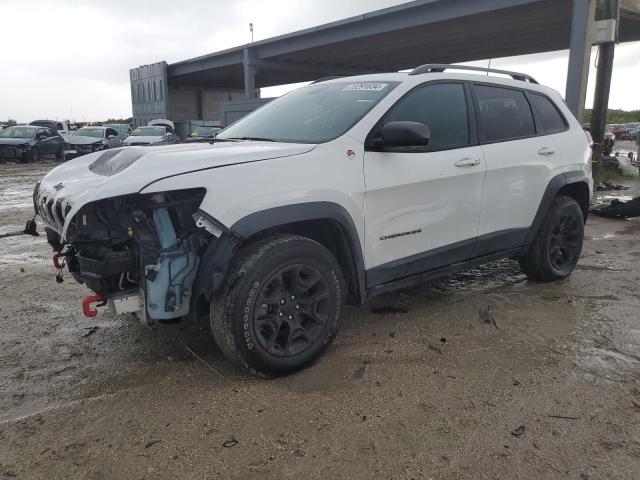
333, 193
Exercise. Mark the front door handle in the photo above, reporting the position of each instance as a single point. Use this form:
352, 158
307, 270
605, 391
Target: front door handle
468, 162
546, 152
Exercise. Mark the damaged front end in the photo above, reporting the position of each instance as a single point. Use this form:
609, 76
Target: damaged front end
140, 253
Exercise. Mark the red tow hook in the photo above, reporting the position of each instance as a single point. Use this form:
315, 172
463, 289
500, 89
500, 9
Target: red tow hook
88, 309
56, 260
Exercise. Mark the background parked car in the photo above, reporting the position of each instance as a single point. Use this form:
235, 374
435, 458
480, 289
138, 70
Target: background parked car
25, 143
632, 130
123, 129
202, 133
618, 129
62, 128
91, 139
158, 132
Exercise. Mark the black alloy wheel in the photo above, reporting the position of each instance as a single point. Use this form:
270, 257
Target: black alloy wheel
292, 310
564, 242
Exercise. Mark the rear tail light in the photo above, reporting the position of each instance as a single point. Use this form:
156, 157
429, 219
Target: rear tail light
589, 138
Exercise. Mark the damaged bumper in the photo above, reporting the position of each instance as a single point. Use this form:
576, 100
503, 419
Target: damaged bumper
139, 253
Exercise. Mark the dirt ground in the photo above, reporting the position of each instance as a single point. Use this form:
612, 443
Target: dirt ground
482, 375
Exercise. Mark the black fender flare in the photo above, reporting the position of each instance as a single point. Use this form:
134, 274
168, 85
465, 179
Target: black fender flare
219, 253
553, 187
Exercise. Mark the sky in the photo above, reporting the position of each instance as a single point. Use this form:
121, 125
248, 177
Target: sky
71, 58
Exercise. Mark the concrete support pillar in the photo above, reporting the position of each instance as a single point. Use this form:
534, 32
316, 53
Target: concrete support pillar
249, 64
606, 51
580, 55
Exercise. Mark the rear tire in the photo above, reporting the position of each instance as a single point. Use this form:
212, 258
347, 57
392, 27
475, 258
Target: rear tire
280, 308
557, 246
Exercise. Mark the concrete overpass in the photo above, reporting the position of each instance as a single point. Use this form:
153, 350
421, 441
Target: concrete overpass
396, 38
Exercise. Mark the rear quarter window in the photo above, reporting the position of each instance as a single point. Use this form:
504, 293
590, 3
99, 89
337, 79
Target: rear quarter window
550, 117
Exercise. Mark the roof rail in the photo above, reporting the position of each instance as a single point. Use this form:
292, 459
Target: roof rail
441, 67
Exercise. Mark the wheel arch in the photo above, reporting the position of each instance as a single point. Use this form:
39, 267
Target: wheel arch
573, 184
579, 191
324, 222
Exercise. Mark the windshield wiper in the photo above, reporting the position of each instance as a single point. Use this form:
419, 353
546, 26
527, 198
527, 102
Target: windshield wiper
253, 139
216, 140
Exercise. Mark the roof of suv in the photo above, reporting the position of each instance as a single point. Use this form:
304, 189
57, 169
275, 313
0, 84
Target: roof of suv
406, 77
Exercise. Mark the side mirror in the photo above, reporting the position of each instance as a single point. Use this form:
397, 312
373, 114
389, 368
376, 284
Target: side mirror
42, 136
111, 137
403, 134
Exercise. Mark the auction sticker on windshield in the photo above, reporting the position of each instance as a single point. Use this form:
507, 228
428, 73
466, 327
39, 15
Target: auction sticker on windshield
367, 87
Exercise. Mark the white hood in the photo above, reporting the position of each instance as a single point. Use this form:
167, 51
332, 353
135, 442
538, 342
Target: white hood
74, 184
81, 140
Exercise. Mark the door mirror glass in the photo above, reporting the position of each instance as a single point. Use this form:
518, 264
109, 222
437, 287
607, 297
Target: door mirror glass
404, 134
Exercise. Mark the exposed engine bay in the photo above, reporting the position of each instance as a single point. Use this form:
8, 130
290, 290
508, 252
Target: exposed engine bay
139, 253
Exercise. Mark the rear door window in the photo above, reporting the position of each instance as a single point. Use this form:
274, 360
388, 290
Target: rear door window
442, 107
551, 119
505, 113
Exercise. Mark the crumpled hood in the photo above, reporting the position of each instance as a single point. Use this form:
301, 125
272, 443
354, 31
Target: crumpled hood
66, 188
144, 139
14, 141
81, 140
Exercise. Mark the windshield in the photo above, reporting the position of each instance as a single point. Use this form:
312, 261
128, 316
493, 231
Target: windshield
90, 132
148, 132
17, 132
314, 114
120, 128
200, 131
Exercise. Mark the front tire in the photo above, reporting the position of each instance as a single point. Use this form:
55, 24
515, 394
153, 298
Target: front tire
557, 246
35, 155
280, 308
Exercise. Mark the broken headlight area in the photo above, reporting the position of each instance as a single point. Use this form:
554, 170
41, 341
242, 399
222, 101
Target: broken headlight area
139, 252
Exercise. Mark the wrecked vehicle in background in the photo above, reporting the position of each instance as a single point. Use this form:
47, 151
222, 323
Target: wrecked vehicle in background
91, 139
63, 128
157, 132
24, 143
263, 232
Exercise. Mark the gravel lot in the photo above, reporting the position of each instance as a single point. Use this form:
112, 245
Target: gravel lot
482, 375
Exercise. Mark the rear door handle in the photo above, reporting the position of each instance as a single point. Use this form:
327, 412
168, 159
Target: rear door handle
468, 162
546, 152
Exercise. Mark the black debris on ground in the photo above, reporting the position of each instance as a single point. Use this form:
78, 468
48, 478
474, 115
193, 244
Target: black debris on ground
619, 209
